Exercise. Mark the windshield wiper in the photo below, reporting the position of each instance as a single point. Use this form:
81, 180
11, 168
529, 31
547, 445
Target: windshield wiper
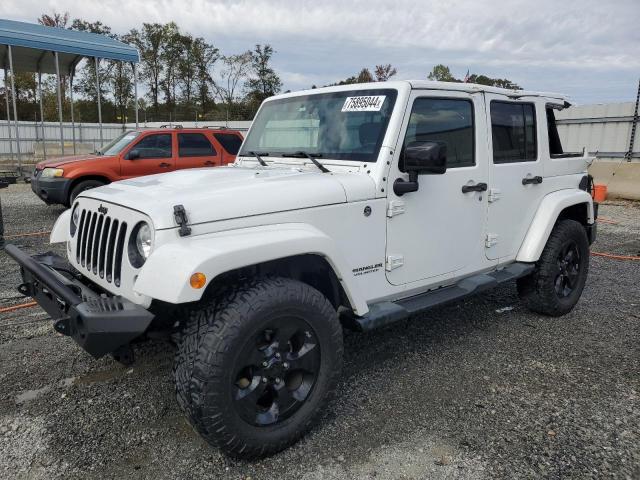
257, 155
302, 154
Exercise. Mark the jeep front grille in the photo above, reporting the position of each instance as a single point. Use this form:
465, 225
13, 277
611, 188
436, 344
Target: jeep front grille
100, 245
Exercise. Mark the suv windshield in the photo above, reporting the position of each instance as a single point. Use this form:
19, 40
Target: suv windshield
117, 144
346, 125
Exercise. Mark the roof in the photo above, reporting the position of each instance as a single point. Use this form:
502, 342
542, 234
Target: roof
33, 46
430, 85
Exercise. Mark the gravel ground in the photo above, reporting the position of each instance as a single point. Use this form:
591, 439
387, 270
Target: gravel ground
481, 389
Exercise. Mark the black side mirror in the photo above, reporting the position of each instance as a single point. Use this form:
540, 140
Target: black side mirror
133, 154
421, 158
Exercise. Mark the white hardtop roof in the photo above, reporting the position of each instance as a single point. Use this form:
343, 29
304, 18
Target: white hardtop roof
429, 85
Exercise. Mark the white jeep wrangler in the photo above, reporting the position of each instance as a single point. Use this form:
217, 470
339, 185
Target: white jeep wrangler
352, 206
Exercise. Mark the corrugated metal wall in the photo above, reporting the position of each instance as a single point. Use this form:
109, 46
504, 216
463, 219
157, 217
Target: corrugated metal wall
605, 128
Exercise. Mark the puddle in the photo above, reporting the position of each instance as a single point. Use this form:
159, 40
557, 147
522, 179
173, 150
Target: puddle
97, 377
29, 395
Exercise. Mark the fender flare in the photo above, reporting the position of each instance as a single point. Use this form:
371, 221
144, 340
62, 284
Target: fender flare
548, 211
166, 273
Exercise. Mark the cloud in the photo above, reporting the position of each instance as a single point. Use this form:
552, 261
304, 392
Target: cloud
321, 42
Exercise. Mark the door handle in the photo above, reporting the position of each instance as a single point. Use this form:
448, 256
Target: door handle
164, 165
532, 180
478, 187
209, 162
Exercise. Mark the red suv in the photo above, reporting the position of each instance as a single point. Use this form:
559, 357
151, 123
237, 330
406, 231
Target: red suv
133, 154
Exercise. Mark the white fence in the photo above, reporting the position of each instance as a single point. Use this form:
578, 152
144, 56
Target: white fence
35, 139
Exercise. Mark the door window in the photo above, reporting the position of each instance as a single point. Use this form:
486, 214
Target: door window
154, 146
513, 129
229, 141
444, 120
194, 145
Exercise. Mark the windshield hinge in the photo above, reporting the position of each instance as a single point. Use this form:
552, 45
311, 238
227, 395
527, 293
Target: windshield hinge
180, 215
395, 207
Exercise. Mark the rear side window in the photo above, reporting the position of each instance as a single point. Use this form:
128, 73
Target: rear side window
229, 141
513, 130
155, 146
444, 120
194, 145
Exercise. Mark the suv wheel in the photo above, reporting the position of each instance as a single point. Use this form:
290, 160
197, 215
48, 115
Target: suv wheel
81, 187
556, 284
254, 371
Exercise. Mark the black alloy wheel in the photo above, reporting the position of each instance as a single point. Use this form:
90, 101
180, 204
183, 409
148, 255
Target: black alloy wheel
277, 370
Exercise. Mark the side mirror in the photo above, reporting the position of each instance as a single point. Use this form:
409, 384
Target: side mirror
426, 158
133, 154
421, 158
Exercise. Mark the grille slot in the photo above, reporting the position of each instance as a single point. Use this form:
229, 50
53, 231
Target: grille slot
100, 245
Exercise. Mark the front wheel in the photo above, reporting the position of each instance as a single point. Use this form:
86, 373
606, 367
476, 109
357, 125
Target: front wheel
556, 284
255, 371
83, 186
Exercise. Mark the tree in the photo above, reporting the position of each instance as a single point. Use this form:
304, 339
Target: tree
493, 82
265, 82
150, 41
441, 73
384, 72
86, 84
59, 20
204, 57
171, 52
234, 69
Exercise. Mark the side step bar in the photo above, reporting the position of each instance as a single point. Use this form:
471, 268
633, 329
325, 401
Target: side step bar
384, 313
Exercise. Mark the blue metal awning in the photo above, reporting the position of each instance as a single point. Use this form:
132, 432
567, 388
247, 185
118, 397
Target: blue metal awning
33, 46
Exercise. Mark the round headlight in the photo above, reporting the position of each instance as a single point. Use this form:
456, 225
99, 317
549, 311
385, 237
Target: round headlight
143, 240
75, 219
140, 244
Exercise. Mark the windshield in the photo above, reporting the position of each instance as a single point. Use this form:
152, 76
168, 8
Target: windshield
346, 125
116, 145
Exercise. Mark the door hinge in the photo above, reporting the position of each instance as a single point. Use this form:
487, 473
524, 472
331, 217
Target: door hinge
494, 194
393, 262
491, 240
395, 207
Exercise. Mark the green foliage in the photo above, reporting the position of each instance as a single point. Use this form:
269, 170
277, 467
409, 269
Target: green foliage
442, 73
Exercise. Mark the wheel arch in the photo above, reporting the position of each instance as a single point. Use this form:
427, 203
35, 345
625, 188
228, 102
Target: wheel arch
564, 204
297, 251
74, 183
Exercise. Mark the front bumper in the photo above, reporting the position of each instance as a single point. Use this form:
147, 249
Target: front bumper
51, 190
99, 323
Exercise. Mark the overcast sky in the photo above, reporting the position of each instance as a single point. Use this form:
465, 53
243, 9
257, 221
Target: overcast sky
589, 49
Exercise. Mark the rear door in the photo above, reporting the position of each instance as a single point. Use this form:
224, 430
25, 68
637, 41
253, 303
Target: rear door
515, 174
152, 153
230, 143
195, 150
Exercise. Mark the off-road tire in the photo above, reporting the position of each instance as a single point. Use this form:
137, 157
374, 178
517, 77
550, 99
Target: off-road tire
81, 187
212, 338
538, 290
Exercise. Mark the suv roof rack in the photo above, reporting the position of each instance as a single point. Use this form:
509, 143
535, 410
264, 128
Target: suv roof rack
217, 127
170, 126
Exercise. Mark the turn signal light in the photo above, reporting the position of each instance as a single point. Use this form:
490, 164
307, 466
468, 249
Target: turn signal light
198, 280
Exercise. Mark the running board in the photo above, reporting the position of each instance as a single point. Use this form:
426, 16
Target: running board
384, 313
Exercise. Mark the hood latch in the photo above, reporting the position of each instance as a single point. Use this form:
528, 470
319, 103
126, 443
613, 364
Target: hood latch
180, 214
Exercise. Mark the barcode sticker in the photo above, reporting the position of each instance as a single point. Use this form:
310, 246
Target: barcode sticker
372, 103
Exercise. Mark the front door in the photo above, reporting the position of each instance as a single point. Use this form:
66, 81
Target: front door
438, 229
153, 153
515, 174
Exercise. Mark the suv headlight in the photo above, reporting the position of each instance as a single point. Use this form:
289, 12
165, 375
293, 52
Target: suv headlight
52, 172
140, 243
75, 219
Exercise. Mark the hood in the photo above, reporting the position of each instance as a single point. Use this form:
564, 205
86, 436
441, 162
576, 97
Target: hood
213, 194
61, 161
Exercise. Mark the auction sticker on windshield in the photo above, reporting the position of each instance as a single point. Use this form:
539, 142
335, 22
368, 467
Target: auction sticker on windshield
371, 103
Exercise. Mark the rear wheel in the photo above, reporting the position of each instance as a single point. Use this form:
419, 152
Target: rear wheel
556, 284
83, 186
254, 373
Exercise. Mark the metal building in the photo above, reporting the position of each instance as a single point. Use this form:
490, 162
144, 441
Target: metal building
27, 47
